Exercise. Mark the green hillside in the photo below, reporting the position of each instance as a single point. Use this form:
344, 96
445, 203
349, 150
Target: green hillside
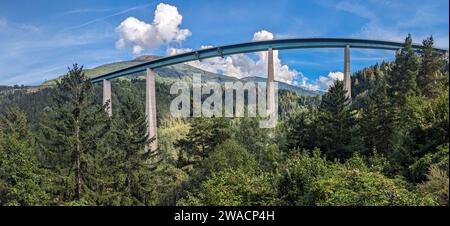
179, 72
284, 86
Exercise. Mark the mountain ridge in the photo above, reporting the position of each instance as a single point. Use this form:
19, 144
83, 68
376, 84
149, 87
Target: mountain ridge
177, 72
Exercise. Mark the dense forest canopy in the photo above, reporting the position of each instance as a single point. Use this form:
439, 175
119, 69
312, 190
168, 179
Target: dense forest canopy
387, 146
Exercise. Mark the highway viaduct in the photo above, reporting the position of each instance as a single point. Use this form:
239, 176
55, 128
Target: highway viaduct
221, 51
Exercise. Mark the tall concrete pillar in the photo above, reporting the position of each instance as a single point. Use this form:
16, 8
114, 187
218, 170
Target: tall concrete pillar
150, 108
347, 79
107, 96
270, 79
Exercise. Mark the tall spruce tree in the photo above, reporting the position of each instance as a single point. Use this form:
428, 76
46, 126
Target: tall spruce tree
301, 131
335, 126
430, 77
72, 135
132, 166
403, 78
377, 123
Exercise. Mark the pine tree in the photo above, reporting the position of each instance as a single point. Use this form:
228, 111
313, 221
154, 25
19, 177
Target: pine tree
368, 125
72, 135
301, 134
402, 79
429, 79
195, 146
205, 134
377, 123
21, 180
131, 166
14, 120
335, 123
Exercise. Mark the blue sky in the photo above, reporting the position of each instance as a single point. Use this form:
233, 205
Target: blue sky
39, 39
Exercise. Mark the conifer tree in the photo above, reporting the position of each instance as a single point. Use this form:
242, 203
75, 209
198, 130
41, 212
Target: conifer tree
430, 77
21, 180
335, 123
377, 123
407, 80
72, 135
301, 134
403, 78
205, 134
131, 165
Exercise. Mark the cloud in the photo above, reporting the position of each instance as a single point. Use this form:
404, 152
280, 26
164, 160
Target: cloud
336, 75
32, 76
102, 19
163, 30
302, 81
241, 65
87, 10
262, 35
353, 7
375, 30
44, 53
324, 82
14, 26
174, 51
421, 21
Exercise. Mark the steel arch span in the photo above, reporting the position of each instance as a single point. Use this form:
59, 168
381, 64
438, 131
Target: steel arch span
277, 44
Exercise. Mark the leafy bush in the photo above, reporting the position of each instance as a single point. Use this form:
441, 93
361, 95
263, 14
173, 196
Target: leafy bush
436, 185
440, 159
229, 155
310, 180
355, 187
234, 187
298, 175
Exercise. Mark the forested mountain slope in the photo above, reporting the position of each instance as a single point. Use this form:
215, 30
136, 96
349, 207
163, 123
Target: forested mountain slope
388, 146
34, 99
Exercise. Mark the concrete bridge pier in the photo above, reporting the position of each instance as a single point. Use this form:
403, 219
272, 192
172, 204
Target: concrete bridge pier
270, 79
347, 79
107, 96
150, 109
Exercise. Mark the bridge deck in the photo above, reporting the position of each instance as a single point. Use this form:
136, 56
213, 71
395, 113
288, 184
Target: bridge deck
278, 44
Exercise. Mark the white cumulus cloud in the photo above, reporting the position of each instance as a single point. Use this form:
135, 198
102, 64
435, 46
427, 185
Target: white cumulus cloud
241, 65
327, 81
174, 51
302, 81
262, 35
164, 29
336, 75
